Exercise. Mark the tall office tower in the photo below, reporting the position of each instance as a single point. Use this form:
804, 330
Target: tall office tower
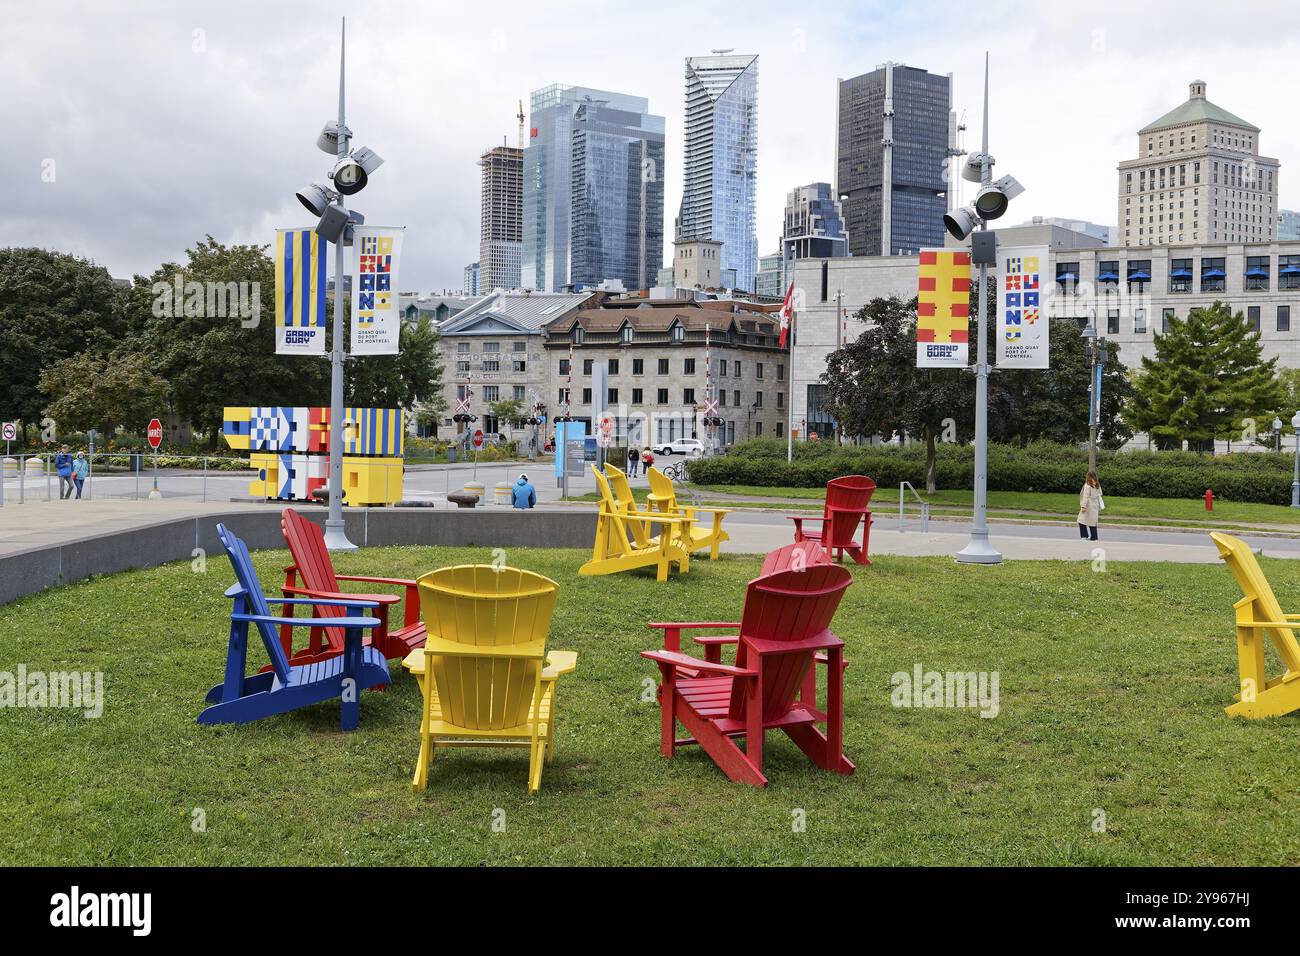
721, 169
1288, 225
593, 190
892, 147
500, 250
469, 281
1198, 177
814, 224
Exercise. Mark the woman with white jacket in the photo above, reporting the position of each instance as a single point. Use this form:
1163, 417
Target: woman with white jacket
1090, 505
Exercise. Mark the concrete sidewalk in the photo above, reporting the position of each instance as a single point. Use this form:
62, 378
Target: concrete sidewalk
40, 524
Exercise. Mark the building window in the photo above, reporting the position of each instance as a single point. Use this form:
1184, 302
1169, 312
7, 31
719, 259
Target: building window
491, 346
1108, 272
1284, 318
688, 366
1139, 273
1212, 274
462, 367
1252, 317
519, 346
678, 333
1139, 321
722, 398
517, 393
780, 399
462, 347
1112, 322
736, 369
579, 333
491, 393
564, 396
520, 366
637, 396
722, 368
625, 334
613, 366
663, 366
780, 373
586, 366
586, 396
1166, 317
758, 429
826, 279
662, 396
735, 397
688, 396
611, 396
1067, 274
1257, 273
638, 366
564, 366
1288, 272
491, 366
758, 370
758, 399
1180, 275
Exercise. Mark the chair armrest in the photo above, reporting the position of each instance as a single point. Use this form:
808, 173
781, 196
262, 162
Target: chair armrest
396, 582
359, 601
345, 622
559, 662
683, 625
675, 660
716, 639
798, 519
823, 641
441, 647
342, 597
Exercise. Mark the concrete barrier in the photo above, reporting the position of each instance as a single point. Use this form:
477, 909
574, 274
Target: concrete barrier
27, 572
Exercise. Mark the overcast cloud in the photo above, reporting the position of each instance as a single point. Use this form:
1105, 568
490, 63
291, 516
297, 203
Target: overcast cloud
167, 121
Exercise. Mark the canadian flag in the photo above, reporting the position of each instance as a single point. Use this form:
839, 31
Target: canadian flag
787, 314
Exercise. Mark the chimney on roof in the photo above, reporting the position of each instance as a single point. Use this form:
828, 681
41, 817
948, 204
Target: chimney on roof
1196, 89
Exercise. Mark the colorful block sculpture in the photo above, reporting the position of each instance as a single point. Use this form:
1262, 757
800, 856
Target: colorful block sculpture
289, 447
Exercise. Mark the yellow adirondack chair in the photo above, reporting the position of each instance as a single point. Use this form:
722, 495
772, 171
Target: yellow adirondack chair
663, 499
624, 540
481, 669
1258, 613
622, 491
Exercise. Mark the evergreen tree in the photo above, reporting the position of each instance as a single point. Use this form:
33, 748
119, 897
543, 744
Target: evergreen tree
1208, 379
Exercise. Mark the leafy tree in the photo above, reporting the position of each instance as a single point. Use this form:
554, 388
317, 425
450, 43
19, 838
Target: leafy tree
876, 389
52, 306
89, 390
1208, 379
507, 410
410, 378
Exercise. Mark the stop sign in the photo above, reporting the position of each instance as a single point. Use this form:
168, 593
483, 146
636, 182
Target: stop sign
478, 438
154, 433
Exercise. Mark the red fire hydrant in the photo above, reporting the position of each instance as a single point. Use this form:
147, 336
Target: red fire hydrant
1209, 499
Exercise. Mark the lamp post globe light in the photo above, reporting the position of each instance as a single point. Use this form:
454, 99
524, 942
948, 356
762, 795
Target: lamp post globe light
1277, 433
351, 172
991, 202
1295, 480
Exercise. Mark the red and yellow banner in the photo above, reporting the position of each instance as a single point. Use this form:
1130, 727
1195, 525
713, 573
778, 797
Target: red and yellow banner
943, 309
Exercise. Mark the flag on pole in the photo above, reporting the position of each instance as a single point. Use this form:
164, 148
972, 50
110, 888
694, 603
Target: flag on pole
299, 292
787, 314
942, 308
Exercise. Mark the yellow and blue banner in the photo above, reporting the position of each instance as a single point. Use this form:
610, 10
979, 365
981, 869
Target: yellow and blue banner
300, 280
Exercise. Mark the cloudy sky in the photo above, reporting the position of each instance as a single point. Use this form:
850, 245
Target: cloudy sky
135, 128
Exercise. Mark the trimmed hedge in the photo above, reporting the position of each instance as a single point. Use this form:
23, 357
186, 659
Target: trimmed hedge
1258, 477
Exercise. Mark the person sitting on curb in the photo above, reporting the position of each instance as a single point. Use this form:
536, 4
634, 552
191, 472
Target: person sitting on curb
523, 496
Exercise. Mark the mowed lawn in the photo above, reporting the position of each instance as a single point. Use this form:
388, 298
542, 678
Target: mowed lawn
1112, 686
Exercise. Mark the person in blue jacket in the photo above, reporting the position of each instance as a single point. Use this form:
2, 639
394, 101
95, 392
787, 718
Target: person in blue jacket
63, 467
523, 495
80, 469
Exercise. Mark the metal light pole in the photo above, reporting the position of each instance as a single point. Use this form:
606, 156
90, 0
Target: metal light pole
979, 550
336, 538
1096, 360
1277, 434
1295, 481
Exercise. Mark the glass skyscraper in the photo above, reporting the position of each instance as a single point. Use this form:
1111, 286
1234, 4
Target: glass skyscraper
721, 168
593, 190
891, 152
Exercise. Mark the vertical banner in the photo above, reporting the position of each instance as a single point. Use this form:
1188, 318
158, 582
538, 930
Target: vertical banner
943, 309
299, 292
1023, 319
376, 323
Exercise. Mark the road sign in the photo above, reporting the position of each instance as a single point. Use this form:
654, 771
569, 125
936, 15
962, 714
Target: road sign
154, 433
462, 405
478, 438
603, 439
606, 426
9, 431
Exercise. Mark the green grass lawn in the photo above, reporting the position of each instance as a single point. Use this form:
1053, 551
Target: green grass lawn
1064, 507
1111, 693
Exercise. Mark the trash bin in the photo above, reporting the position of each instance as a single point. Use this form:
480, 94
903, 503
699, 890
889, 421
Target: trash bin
136, 463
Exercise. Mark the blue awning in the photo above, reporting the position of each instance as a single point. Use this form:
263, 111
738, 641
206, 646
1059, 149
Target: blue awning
1290, 270
1066, 277
1108, 277
1257, 273
1181, 274
1139, 277
1213, 274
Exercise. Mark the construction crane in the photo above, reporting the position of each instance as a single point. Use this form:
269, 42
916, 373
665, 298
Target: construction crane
521, 124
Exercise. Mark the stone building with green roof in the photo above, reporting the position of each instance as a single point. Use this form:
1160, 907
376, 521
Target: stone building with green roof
1199, 178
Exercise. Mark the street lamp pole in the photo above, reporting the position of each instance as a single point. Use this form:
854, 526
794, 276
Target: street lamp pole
1295, 481
336, 538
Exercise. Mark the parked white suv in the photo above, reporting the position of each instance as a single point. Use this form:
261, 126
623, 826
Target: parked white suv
681, 446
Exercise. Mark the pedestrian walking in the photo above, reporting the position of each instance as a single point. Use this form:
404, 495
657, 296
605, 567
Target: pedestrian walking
522, 494
633, 459
647, 460
63, 468
1091, 505
80, 469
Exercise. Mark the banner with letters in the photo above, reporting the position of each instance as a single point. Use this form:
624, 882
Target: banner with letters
376, 322
300, 280
943, 309
1023, 315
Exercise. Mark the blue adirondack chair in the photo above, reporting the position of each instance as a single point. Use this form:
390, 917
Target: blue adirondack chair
241, 697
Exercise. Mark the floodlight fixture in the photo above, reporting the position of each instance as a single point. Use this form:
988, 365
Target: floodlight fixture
973, 169
993, 200
960, 223
316, 197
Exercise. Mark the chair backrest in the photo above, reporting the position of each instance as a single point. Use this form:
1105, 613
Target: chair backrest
847, 501
479, 605
1254, 585
255, 600
620, 486
306, 543
786, 606
795, 557
661, 487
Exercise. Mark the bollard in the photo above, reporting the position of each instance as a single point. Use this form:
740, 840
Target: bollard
1209, 499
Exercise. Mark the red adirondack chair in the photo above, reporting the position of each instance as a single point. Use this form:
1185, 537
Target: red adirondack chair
847, 504
783, 632
313, 568
795, 556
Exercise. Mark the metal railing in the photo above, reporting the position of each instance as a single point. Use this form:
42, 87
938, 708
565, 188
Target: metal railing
903, 488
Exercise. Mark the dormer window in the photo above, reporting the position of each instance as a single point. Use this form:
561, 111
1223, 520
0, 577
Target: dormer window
625, 334
579, 333
677, 333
